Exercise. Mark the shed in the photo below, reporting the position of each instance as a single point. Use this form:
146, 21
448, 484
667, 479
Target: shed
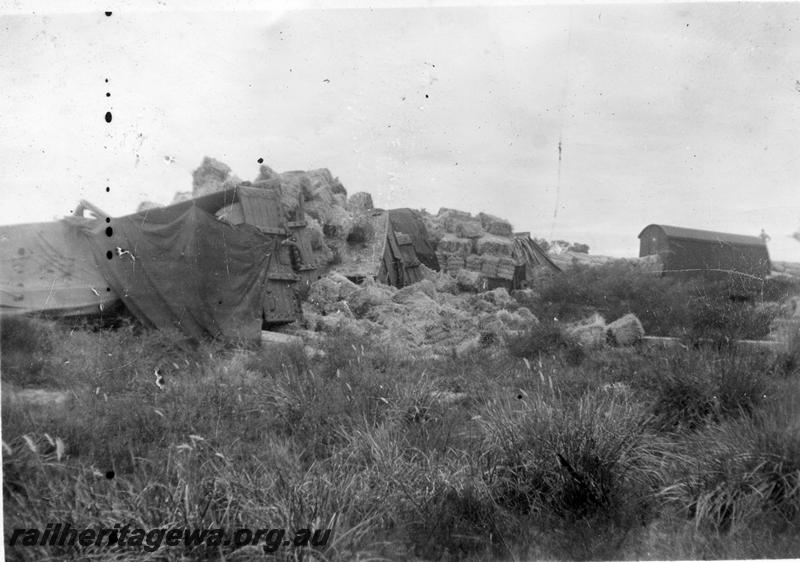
690, 251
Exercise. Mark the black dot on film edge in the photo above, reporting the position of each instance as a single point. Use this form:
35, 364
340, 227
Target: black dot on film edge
108, 94
106, 80
109, 231
109, 254
110, 474
108, 14
108, 117
260, 160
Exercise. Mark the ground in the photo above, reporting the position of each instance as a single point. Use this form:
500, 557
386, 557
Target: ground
525, 445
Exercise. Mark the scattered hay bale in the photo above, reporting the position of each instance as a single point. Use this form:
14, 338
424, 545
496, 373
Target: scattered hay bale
625, 331
368, 296
527, 316
325, 293
498, 297
468, 346
495, 245
425, 287
470, 280
590, 332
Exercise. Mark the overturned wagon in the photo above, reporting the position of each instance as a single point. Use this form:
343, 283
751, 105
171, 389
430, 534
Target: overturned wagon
223, 265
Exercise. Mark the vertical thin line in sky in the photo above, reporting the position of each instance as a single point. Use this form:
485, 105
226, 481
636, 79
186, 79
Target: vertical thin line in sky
564, 91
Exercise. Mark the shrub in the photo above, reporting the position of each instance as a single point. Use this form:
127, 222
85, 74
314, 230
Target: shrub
742, 471
694, 387
579, 460
546, 338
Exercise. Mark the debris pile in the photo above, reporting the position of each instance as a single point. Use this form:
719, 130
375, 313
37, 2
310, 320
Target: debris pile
417, 319
397, 247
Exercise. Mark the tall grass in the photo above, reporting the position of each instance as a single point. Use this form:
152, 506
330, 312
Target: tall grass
519, 453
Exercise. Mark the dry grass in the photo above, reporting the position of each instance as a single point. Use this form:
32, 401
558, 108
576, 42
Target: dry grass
616, 453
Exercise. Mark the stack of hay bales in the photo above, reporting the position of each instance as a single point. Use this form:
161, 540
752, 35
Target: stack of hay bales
452, 252
481, 244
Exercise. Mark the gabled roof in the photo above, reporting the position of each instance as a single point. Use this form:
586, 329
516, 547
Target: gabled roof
707, 235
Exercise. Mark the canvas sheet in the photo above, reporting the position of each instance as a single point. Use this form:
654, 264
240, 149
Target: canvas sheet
179, 267
49, 268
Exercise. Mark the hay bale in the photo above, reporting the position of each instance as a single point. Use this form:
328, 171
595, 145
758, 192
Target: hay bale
368, 296
455, 263
426, 287
498, 297
495, 245
489, 265
470, 280
506, 268
474, 262
434, 228
464, 229
453, 245
495, 225
361, 201
627, 330
444, 212
590, 332
211, 176
361, 231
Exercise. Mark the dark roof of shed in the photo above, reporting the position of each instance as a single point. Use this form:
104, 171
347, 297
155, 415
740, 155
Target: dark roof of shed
707, 235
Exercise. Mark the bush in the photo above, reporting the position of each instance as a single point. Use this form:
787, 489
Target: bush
695, 387
583, 460
743, 471
546, 338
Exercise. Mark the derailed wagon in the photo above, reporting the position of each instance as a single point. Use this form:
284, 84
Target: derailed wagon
223, 265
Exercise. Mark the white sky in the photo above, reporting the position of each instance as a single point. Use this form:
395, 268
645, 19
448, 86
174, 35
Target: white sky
684, 114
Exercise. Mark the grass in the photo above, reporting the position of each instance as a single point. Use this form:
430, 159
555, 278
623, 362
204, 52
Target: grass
550, 452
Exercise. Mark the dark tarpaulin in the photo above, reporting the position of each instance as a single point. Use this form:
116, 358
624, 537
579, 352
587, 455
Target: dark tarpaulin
187, 270
409, 222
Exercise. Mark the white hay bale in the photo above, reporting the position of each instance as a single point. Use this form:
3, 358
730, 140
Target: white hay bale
627, 330
590, 332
